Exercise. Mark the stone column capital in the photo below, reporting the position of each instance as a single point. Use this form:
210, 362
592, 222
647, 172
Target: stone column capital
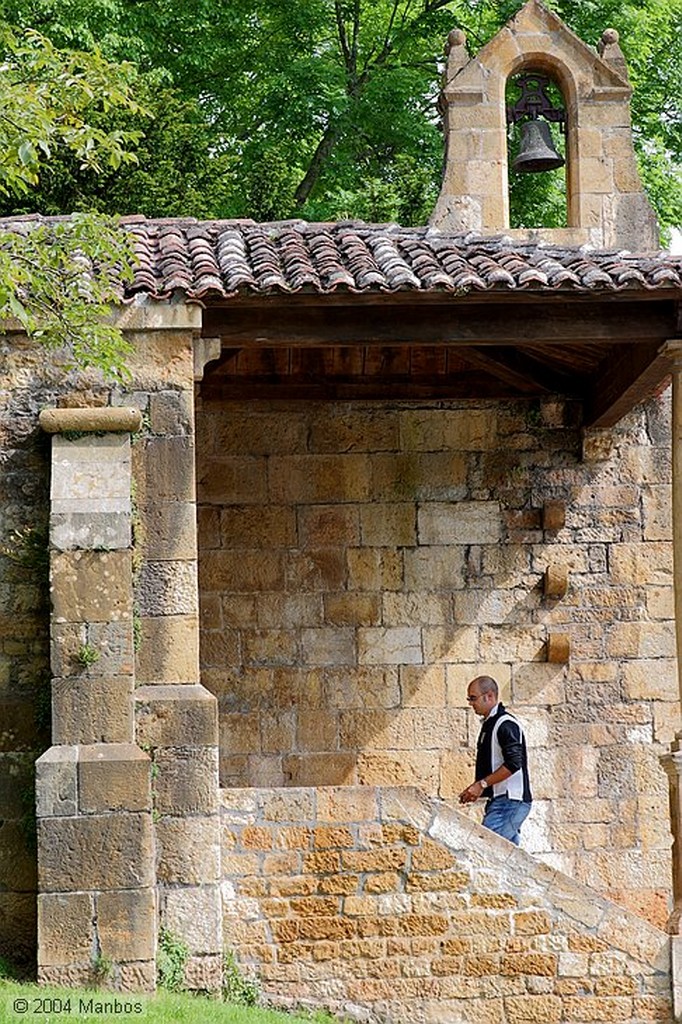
91, 420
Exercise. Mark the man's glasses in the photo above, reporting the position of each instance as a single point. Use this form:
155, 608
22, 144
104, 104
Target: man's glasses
472, 697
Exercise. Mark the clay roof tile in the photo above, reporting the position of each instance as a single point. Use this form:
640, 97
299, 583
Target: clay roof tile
226, 258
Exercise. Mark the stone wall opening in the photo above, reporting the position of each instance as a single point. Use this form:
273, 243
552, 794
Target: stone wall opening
537, 199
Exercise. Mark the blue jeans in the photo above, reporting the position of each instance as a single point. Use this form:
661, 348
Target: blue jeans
506, 817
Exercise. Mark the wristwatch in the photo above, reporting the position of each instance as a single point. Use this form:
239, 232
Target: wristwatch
483, 783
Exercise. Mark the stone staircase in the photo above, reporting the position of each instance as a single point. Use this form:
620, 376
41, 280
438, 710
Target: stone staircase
386, 905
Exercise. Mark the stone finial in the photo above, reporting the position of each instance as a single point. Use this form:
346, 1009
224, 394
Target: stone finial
457, 37
456, 52
456, 58
609, 50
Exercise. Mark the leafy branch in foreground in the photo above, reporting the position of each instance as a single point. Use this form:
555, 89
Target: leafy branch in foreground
59, 280
48, 98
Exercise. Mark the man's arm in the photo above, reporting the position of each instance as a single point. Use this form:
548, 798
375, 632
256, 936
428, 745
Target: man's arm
476, 789
509, 738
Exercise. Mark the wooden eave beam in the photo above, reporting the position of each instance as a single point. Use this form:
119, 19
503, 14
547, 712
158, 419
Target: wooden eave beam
323, 325
411, 297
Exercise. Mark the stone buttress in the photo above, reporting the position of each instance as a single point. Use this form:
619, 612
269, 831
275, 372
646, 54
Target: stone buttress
127, 797
96, 902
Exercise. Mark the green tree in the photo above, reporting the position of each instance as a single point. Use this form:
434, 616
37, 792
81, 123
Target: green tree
330, 105
328, 108
58, 279
178, 169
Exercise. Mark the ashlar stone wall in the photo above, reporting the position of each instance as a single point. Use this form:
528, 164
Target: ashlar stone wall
360, 562
388, 906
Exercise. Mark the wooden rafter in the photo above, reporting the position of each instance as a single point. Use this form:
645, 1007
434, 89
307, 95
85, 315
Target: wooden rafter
515, 368
624, 381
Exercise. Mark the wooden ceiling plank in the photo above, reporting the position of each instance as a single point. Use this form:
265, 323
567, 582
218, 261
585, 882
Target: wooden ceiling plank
428, 360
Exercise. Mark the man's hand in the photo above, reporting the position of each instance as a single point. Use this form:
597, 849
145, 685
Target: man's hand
471, 793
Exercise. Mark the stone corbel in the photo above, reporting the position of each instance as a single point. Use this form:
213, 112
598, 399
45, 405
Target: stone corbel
555, 583
554, 515
558, 648
206, 350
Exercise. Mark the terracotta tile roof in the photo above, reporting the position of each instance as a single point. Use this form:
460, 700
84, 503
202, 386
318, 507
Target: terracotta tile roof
222, 259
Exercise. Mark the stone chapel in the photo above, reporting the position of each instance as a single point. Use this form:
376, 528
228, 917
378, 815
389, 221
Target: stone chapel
241, 599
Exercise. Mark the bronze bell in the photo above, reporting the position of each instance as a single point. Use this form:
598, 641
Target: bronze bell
536, 151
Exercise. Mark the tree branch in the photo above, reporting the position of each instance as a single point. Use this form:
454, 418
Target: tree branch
320, 156
356, 34
355, 82
343, 38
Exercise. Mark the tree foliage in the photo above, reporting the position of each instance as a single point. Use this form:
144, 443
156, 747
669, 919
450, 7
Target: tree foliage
58, 279
46, 97
327, 109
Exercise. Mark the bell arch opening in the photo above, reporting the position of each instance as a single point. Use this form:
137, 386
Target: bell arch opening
537, 150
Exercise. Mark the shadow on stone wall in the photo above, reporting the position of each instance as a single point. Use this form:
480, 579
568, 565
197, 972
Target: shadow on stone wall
361, 562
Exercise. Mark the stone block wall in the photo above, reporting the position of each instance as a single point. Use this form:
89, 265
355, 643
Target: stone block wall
176, 718
360, 562
24, 632
392, 907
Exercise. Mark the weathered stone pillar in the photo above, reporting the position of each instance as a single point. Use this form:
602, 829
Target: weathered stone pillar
176, 717
96, 902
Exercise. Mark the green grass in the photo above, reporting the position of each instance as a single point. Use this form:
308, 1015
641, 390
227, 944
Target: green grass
86, 1007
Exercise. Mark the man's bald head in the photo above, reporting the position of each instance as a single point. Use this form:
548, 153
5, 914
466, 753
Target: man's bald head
486, 684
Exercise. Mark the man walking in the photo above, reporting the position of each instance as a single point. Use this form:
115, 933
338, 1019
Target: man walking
501, 763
